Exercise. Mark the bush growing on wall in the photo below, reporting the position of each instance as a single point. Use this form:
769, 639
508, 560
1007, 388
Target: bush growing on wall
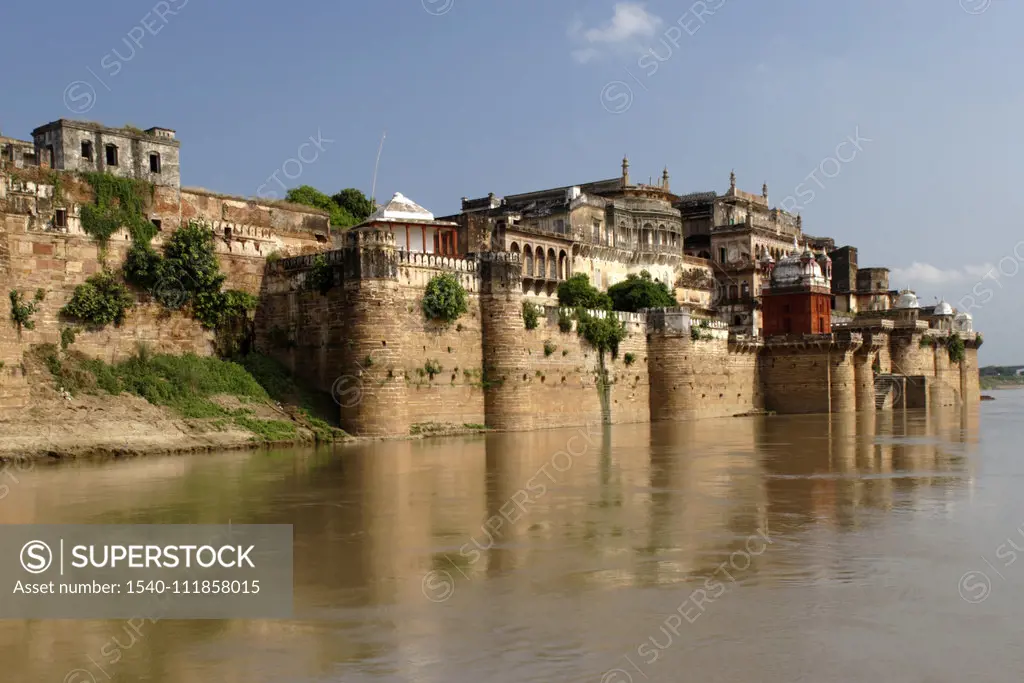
531, 316
22, 311
445, 298
99, 301
956, 348
604, 334
321, 277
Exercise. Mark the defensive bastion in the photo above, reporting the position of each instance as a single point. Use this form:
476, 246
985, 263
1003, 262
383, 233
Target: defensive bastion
366, 340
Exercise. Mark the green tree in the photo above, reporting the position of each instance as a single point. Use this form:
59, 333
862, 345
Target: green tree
577, 292
355, 202
638, 292
346, 208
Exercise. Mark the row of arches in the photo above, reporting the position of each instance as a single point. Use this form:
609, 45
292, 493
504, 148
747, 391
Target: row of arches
542, 265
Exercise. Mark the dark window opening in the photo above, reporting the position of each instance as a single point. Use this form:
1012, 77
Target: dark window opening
787, 325
111, 155
158, 224
227, 232
51, 155
60, 218
154, 163
785, 309
87, 150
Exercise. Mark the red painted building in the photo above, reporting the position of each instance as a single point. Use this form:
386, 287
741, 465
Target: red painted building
799, 299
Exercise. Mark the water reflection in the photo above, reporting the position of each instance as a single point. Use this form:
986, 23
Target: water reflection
514, 523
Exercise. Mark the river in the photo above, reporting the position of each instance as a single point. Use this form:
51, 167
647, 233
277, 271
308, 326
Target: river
773, 549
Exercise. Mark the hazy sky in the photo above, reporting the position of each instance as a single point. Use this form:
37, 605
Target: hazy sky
483, 96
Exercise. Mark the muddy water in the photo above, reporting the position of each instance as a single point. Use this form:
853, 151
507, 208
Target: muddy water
860, 548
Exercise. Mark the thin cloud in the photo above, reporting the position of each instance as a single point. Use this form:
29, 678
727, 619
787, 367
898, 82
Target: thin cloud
926, 274
628, 30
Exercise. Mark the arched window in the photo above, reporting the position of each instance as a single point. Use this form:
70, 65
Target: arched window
539, 257
745, 290
732, 291
528, 261
563, 266
738, 321
552, 265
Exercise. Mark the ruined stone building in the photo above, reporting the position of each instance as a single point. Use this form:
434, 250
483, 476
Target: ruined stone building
44, 246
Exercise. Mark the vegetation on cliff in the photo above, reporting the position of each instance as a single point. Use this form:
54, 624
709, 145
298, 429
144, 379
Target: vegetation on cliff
638, 292
346, 208
444, 299
196, 388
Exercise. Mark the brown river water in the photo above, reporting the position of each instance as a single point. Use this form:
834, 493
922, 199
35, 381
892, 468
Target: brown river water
773, 549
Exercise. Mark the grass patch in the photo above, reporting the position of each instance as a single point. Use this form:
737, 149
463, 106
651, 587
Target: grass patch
187, 385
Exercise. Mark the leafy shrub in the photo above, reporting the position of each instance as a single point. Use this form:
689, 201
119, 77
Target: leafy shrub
142, 266
638, 292
604, 334
629, 358
67, 337
577, 292
445, 298
531, 316
217, 310
549, 348
22, 311
99, 301
955, 347
432, 367
564, 321
190, 263
321, 276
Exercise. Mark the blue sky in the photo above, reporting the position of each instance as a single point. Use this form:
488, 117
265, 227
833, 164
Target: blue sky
483, 96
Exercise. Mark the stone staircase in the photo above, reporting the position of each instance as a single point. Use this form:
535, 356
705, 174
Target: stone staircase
889, 391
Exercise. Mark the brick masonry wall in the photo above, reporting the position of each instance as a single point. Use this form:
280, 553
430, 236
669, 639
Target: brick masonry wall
795, 380
706, 378
57, 263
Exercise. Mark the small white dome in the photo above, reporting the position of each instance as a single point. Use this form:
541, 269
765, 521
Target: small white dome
964, 315
793, 270
907, 299
942, 308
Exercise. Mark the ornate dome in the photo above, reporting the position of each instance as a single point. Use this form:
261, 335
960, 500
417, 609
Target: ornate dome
907, 299
796, 270
943, 308
964, 315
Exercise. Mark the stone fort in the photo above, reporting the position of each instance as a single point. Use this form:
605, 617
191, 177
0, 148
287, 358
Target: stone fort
770, 319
